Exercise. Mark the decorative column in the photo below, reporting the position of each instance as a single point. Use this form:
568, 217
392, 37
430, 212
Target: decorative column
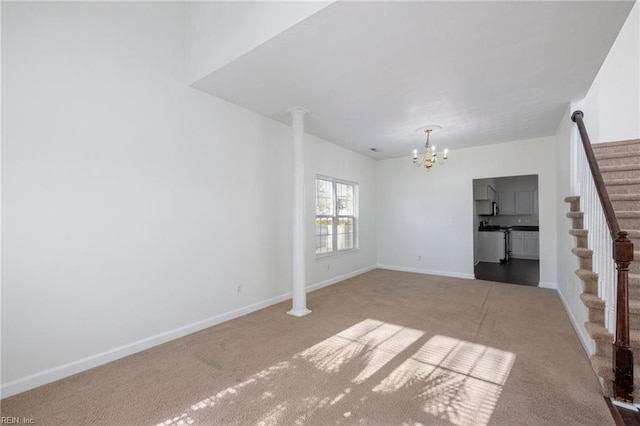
299, 289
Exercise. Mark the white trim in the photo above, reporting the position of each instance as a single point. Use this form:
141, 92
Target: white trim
427, 271
545, 284
583, 336
60, 372
318, 286
632, 407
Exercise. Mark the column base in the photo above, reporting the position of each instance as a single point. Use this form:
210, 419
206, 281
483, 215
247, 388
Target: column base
299, 312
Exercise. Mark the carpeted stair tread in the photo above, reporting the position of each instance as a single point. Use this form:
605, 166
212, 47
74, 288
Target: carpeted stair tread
598, 332
634, 306
571, 198
628, 214
585, 274
626, 201
624, 181
634, 336
624, 197
589, 280
619, 168
575, 215
603, 366
614, 155
592, 301
579, 232
618, 145
582, 252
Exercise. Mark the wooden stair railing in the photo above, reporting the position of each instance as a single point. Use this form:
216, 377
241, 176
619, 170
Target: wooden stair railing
622, 255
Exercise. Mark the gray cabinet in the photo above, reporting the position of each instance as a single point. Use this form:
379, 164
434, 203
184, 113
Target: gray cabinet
484, 193
515, 202
525, 245
531, 245
524, 202
507, 202
517, 243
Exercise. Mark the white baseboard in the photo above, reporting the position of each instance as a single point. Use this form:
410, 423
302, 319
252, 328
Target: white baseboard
583, 336
339, 278
60, 372
427, 271
545, 284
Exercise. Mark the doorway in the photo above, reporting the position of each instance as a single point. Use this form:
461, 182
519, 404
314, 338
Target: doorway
506, 229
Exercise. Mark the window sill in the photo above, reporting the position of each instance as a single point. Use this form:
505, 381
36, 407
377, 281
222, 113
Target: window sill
321, 256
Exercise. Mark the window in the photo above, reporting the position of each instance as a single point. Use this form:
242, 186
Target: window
336, 207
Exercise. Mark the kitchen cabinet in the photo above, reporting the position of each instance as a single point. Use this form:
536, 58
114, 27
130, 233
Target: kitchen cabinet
524, 245
524, 202
516, 243
484, 193
515, 202
507, 202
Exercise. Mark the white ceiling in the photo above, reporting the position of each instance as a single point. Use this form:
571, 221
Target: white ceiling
371, 73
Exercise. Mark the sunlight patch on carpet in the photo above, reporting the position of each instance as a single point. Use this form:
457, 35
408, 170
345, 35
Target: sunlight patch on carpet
461, 381
367, 372
376, 342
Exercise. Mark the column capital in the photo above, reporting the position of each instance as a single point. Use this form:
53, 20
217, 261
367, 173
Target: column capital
298, 111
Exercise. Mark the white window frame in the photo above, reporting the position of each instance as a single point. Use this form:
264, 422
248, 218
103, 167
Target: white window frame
335, 217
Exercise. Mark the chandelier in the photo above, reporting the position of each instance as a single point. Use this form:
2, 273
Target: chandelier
430, 156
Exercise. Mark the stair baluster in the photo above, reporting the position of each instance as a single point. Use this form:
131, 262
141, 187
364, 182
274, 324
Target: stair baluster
622, 255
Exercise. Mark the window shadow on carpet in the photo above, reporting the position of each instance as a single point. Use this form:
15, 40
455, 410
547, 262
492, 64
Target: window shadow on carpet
370, 372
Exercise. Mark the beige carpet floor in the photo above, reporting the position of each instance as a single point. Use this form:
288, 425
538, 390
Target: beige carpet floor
383, 348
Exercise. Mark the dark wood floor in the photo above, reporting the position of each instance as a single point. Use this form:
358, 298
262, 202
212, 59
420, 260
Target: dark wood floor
516, 271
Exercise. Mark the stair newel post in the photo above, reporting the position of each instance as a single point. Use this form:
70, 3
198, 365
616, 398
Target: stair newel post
622, 352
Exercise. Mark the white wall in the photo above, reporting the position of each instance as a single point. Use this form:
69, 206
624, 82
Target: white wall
220, 32
612, 105
134, 205
430, 214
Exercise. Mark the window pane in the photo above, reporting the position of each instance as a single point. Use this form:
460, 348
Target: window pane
324, 197
345, 233
345, 198
324, 235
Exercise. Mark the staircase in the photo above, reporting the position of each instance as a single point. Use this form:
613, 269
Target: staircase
619, 164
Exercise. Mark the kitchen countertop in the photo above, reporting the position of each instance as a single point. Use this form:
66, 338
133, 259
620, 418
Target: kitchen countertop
503, 228
525, 228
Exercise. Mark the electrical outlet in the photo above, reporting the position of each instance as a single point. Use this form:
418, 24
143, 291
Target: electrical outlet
238, 289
